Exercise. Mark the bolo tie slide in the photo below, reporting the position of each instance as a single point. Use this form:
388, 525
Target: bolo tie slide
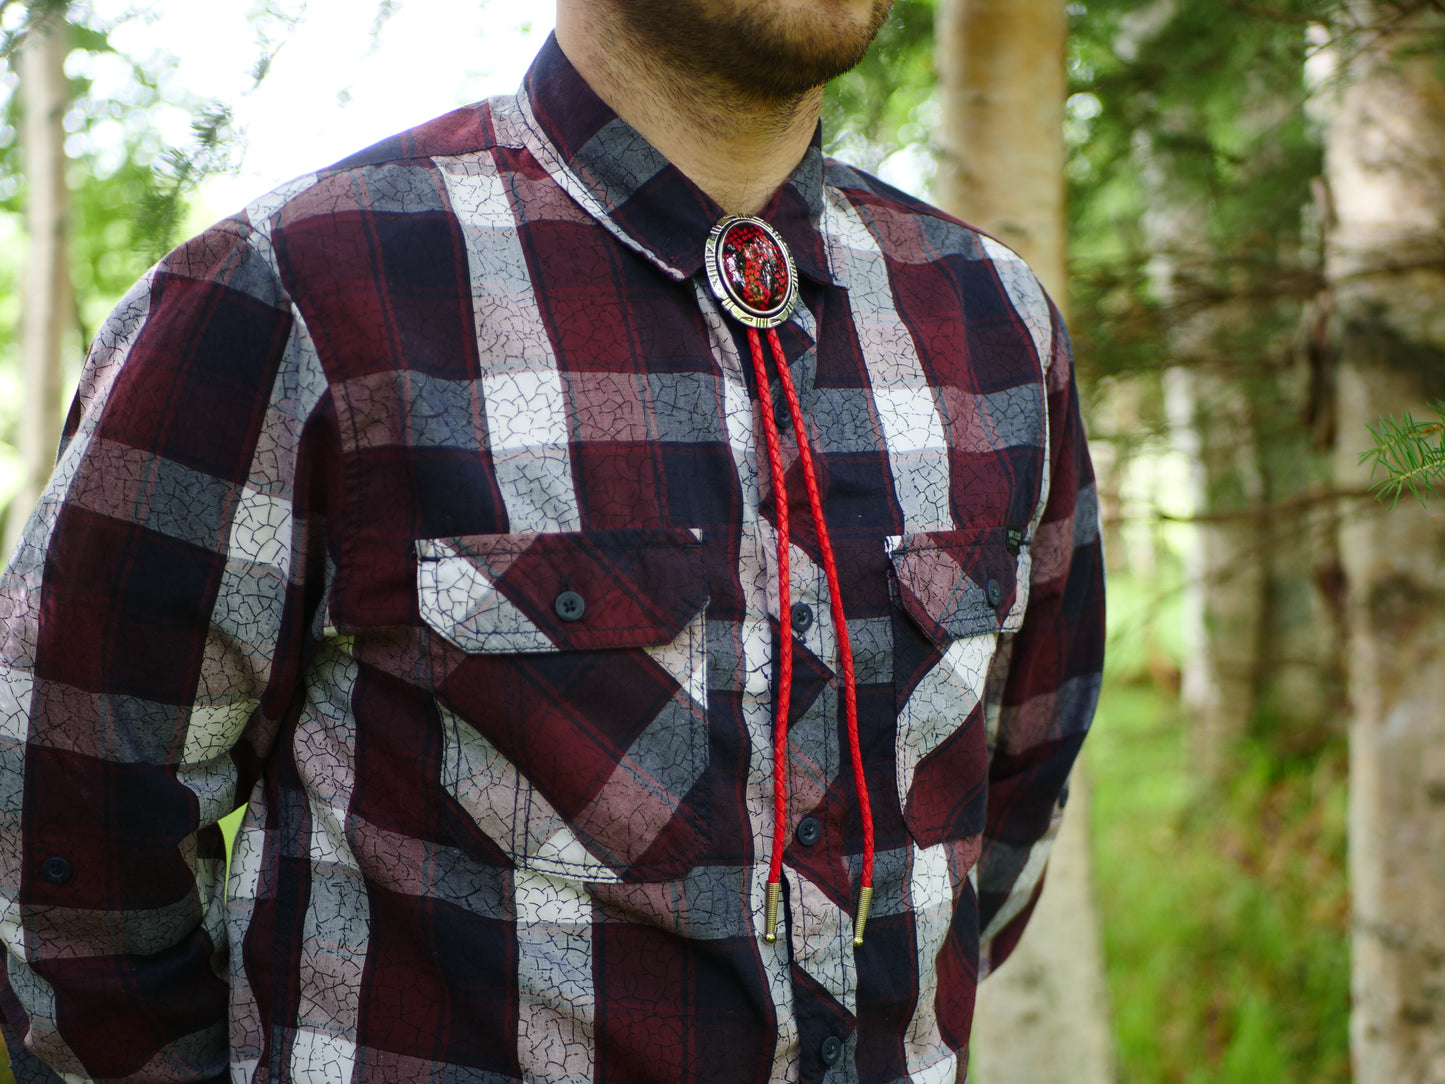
754, 279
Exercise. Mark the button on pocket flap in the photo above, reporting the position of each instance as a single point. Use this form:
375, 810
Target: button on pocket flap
958, 583
578, 590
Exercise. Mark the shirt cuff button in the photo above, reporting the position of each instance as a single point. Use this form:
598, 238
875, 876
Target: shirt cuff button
56, 870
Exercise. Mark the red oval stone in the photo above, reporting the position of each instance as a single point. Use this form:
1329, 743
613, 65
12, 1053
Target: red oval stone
754, 267
751, 271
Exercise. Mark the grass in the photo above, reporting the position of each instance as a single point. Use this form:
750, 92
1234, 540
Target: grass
1224, 905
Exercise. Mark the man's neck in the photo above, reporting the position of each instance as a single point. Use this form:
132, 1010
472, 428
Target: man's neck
737, 149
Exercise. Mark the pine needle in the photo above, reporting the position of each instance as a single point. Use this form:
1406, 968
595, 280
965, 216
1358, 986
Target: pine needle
1410, 453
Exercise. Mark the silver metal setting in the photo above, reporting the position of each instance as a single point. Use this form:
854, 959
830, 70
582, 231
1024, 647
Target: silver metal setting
721, 275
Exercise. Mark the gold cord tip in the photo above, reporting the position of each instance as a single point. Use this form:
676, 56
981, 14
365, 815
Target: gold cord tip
865, 901
770, 913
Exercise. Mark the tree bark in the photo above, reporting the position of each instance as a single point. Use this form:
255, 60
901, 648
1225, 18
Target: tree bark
48, 312
1044, 1016
1385, 160
1212, 426
1001, 78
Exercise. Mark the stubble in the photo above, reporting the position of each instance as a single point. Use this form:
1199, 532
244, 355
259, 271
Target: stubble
766, 52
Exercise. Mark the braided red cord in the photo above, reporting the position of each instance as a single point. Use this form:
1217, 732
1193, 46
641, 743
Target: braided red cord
835, 596
785, 612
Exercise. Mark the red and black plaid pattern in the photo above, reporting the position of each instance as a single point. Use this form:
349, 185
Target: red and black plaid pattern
420, 506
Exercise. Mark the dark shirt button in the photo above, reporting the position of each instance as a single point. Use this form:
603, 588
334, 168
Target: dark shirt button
994, 591
809, 831
570, 606
831, 1051
802, 618
56, 870
780, 412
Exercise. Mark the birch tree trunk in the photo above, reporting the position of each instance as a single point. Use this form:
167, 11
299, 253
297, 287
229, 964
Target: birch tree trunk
1212, 424
1385, 159
48, 311
1044, 1016
1001, 77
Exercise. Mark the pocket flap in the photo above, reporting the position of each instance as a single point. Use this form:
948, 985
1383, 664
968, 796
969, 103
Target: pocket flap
565, 591
959, 583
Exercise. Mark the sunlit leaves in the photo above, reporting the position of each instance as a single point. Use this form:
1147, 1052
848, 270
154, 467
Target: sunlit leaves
884, 105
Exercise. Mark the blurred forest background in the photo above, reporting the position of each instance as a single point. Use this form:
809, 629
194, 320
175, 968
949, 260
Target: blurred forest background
1241, 203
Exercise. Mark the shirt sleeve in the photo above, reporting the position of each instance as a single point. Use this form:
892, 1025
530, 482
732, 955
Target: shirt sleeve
1044, 684
154, 617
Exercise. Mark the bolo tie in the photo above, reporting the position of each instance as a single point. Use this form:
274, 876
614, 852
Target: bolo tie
754, 279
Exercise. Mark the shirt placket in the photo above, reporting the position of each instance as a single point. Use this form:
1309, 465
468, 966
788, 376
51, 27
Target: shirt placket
816, 920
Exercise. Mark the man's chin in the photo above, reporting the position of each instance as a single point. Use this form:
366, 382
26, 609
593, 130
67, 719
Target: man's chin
765, 48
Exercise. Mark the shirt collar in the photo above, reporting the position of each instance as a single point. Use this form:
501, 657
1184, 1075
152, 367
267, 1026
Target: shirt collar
627, 185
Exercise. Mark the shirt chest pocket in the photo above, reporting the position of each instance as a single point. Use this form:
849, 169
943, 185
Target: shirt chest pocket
573, 691
955, 593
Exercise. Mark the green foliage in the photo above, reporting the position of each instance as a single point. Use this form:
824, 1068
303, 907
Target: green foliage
33, 13
886, 102
1197, 117
127, 187
1411, 454
120, 168
177, 173
1225, 911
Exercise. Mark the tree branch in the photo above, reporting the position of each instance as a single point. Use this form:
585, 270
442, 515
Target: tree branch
1271, 509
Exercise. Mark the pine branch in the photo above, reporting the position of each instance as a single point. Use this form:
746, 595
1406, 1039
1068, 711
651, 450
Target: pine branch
178, 173
1410, 452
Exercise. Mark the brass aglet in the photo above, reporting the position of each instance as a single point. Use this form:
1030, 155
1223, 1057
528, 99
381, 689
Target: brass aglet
865, 901
770, 912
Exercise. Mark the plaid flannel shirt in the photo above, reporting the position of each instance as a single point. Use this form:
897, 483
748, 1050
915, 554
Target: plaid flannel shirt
330, 469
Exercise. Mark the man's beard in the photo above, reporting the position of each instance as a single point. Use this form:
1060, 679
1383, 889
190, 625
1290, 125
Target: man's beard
764, 51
